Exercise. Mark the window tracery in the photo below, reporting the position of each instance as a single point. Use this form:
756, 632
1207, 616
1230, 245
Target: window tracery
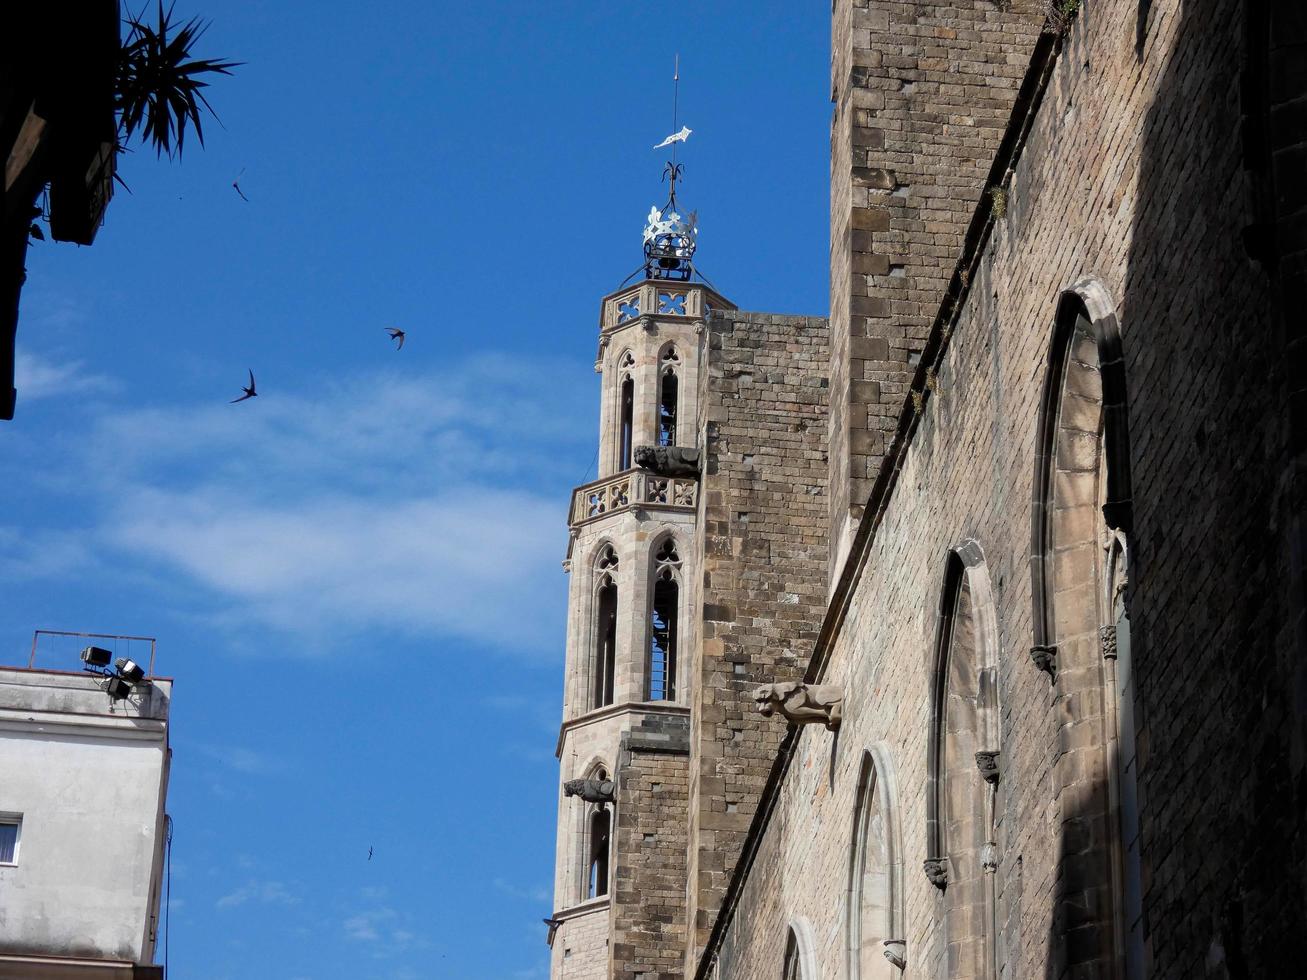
664, 623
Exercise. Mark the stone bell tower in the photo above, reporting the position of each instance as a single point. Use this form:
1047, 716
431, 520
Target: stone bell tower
623, 748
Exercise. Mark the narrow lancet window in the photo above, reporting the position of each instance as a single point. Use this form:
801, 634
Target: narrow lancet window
1084, 453
668, 393
625, 431
605, 643
962, 773
663, 623
596, 883
876, 943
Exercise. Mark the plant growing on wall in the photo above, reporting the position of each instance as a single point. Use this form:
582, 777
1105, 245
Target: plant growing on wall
998, 202
159, 88
1058, 14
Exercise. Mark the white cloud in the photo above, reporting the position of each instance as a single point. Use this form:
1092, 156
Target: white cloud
39, 377
384, 930
42, 553
424, 504
263, 892
461, 563
366, 926
49, 308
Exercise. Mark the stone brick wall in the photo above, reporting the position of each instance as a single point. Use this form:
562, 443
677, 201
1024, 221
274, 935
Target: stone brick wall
648, 907
1131, 177
580, 950
763, 554
922, 92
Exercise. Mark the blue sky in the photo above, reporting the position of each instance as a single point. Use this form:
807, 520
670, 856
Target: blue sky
355, 577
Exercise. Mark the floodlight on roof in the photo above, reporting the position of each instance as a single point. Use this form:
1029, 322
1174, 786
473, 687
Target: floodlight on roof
130, 670
117, 688
96, 657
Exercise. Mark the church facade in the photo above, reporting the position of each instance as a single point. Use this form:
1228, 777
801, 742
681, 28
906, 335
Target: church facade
961, 634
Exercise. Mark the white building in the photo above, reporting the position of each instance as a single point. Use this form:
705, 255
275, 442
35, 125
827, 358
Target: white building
83, 781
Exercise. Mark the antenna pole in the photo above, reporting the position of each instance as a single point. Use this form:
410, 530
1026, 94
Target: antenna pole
676, 98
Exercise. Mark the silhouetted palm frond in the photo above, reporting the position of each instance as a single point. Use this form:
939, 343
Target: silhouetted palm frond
159, 85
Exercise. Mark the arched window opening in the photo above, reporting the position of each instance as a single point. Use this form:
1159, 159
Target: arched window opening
791, 970
605, 641
626, 411
664, 623
876, 947
800, 961
668, 392
1079, 556
600, 832
962, 764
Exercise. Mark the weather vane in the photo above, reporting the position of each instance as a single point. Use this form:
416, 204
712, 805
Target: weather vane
669, 239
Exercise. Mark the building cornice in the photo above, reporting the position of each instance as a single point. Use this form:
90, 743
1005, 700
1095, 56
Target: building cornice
599, 904
121, 727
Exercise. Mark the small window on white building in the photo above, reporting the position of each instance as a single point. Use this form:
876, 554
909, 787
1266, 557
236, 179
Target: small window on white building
10, 825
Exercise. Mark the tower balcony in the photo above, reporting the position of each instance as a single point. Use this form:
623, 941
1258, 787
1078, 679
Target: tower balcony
631, 489
660, 299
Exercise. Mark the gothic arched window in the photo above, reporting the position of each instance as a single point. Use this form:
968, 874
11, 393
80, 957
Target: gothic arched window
664, 623
800, 960
790, 970
598, 840
1078, 557
625, 410
875, 909
604, 659
595, 829
962, 766
668, 394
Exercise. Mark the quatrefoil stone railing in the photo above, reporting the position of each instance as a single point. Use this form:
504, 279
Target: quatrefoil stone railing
690, 301
630, 489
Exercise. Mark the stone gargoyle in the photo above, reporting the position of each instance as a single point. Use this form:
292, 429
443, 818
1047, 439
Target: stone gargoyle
668, 460
802, 704
590, 790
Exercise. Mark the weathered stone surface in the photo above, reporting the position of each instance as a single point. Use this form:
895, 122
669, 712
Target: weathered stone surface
762, 590
1131, 191
1131, 175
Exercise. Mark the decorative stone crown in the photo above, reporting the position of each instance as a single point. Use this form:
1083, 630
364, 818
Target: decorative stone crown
669, 242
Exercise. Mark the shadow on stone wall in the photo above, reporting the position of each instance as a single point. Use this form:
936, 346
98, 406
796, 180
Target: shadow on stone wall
1215, 591
1080, 933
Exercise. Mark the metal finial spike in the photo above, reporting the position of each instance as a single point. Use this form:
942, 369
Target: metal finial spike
676, 98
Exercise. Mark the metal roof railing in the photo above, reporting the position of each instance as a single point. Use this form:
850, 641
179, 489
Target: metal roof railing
37, 634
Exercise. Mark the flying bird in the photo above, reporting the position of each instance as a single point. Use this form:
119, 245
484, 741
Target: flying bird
680, 137
237, 184
369, 853
396, 335
249, 392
